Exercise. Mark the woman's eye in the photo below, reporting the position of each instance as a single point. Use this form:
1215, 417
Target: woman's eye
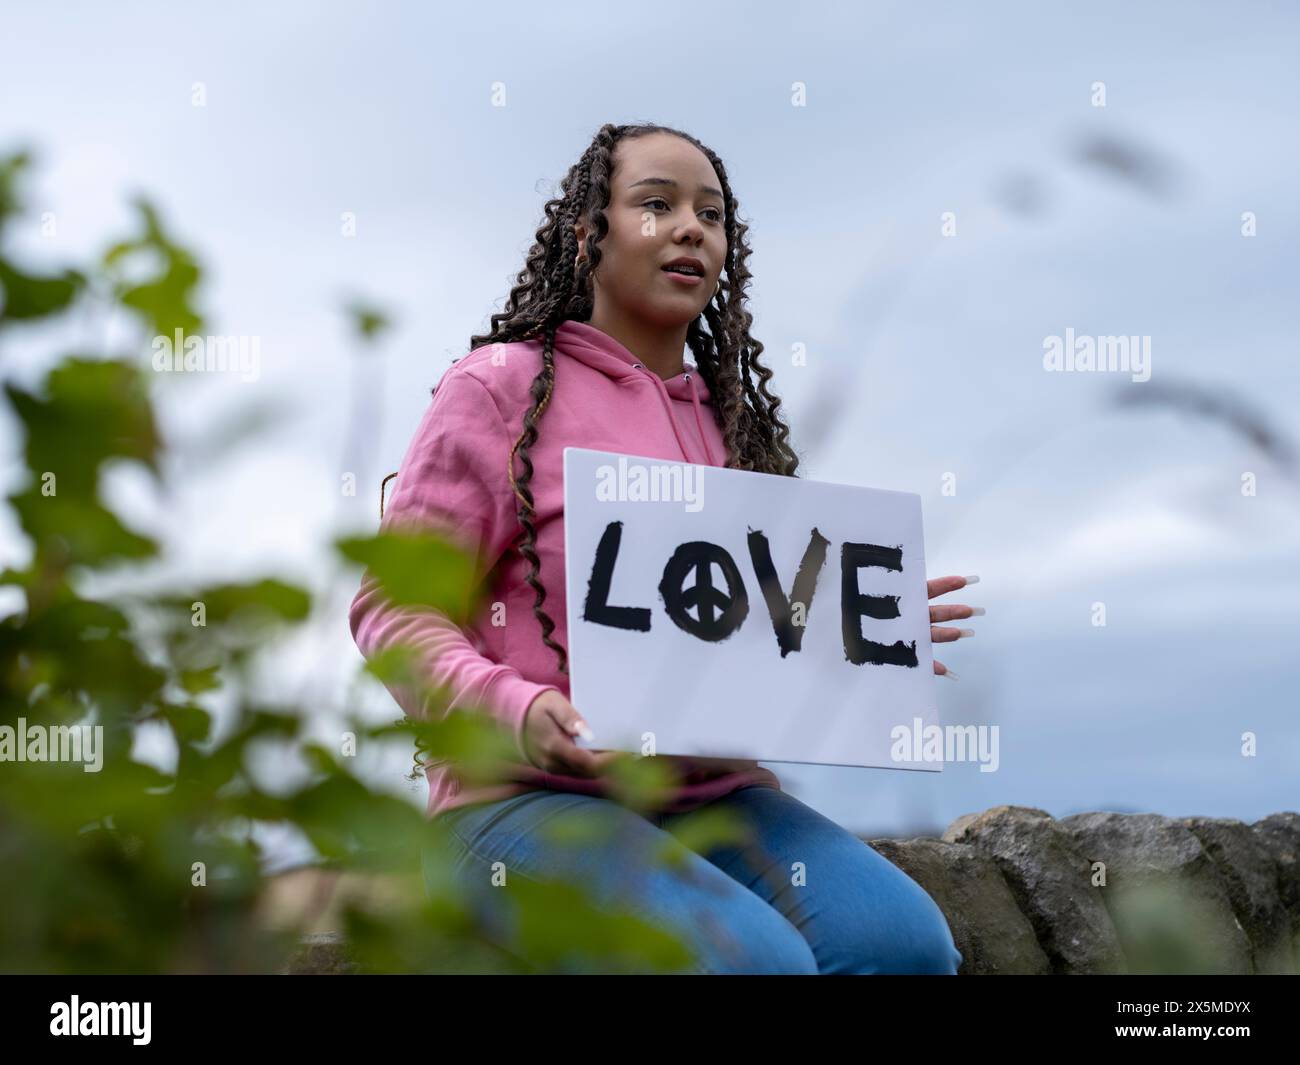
660, 199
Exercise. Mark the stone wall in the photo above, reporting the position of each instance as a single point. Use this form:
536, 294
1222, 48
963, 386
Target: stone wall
1025, 892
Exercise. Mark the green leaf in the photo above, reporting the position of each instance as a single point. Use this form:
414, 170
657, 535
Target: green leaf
396, 664
190, 723
481, 749
253, 603
24, 296
73, 530
88, 647
641, 783
368, 321
88, 411
710, 826
417, 569
165, 300
11, 170
561, 929
197, 681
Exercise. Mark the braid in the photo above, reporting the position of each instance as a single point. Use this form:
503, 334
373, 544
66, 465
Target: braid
381, 492
542, 386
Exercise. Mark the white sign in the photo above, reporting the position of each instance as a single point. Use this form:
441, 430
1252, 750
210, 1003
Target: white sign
731, 614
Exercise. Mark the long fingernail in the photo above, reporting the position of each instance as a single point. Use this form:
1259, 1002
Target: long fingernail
977, 611
972, 580
582, 730
965, 632
950, 673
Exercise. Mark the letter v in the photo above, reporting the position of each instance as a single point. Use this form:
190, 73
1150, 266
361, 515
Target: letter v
789, 636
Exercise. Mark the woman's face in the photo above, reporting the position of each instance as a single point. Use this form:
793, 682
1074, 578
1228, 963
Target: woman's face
665, 203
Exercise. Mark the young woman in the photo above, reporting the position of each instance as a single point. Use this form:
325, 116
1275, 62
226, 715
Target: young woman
642, 256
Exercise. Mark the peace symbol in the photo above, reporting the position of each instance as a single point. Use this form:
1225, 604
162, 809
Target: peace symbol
717, 613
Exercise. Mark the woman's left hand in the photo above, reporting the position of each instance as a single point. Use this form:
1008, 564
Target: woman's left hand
943, 634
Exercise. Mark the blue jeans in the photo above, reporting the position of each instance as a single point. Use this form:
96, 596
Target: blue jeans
802, 896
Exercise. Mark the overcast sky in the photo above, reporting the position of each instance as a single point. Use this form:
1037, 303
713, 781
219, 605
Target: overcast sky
925, 352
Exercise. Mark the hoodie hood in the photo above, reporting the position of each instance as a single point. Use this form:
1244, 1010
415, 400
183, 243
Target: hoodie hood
601, 352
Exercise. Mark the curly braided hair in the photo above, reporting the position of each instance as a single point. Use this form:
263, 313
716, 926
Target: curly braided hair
554, 286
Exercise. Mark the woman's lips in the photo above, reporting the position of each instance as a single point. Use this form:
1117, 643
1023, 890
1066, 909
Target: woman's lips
683, 279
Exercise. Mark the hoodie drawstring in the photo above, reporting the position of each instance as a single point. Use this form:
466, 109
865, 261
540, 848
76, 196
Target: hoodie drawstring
662, 392
699, 424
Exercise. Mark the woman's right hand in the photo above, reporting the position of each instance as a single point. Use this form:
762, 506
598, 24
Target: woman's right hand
550, 725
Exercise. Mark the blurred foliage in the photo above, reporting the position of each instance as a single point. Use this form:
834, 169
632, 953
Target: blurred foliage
368, 322
1166, 927
132, 868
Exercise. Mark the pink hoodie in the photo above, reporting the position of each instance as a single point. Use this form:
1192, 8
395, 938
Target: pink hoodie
454, 480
